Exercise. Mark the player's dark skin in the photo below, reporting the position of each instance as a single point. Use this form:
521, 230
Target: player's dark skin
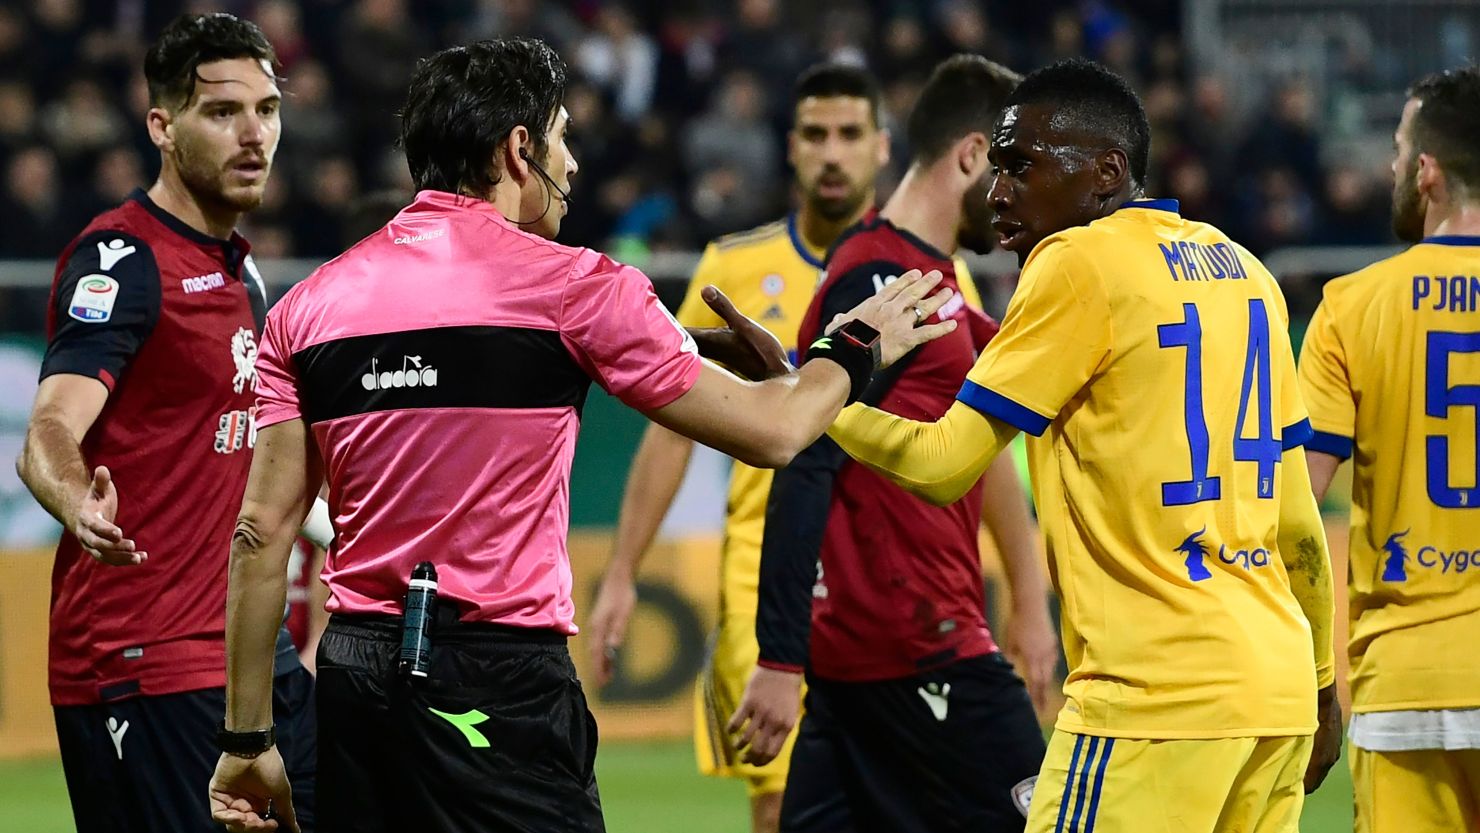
1050, 175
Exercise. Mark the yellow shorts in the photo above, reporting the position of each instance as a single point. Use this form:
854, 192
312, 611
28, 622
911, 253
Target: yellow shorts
732, 656
1424, 791
1123, 785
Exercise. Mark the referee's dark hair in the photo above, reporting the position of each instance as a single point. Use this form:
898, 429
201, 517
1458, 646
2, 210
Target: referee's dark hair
1095, 101
464, 101
837, 80
1447, 125
194, 39
964, 95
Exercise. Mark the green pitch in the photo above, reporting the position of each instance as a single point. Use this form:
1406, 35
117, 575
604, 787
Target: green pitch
646, 788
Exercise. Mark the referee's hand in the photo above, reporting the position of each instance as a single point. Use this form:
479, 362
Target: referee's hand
742, 345
252, 794
94, 525
900, 311
767, 713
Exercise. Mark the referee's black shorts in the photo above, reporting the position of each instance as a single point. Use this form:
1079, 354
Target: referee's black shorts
953, 749
497, 737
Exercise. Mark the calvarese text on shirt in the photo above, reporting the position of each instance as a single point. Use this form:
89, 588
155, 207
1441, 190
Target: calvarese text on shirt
1389, 369
453, 336
1156, 473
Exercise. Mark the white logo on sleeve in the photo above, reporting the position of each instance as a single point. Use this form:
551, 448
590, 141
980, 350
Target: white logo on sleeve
244, 356
93, 299
116, 731
934, 695
406, 377
111, 252
1022, 794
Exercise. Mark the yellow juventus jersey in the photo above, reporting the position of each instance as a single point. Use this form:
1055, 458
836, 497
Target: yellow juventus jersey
1148, 357
1391, 372
770, 274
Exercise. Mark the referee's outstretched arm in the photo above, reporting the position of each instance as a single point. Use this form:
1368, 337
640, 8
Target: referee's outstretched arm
766, 424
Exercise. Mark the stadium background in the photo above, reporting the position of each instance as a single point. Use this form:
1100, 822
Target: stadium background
1271, 119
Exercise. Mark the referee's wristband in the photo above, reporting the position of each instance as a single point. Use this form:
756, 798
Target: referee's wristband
853, 347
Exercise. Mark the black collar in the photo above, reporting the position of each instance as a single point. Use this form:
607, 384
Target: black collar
233, 250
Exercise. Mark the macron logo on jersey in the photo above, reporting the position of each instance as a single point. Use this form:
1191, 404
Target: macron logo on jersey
203, 283
111, 252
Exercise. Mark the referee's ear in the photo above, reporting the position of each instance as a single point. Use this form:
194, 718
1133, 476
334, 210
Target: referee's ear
519, 154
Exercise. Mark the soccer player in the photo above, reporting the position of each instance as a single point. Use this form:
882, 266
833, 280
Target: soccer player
837, 146
913, 715
140, 442
1388, 372
1146, 356
435, 373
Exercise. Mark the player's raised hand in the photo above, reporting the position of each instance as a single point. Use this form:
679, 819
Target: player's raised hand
607, 627
899, 312
252, 794
742, 345
768, 710
94, 525
1327, 746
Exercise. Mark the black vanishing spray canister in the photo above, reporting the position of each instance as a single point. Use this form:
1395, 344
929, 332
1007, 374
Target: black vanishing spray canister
416, 622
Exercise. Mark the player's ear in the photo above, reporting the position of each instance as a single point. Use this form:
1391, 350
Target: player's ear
1430, 177
1112, 169
161, 125
971, 155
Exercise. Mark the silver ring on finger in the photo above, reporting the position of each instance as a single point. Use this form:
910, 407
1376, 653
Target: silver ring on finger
919, 316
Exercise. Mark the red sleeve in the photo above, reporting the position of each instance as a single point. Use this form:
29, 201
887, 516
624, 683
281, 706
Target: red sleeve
622, 336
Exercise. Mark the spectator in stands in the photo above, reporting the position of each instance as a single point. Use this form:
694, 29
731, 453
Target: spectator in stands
620, 59
35, 221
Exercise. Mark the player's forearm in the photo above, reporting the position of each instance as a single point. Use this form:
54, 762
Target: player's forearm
657, 472
51, 466
257, 589
1322, 470
1303, 548
938, 461
1005, 513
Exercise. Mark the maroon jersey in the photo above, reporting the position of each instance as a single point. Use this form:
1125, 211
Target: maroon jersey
167, 318
898, 584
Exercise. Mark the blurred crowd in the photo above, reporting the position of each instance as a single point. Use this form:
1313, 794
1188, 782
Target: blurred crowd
679, 110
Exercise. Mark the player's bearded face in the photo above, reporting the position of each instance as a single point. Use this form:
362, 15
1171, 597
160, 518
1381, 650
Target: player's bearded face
1408, 203
225, 138
837, 151
976, 232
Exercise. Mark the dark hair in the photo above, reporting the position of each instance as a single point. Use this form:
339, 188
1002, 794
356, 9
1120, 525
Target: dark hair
1095, 100
194, 39
964, 95
464, 101
1448, 122
831, 80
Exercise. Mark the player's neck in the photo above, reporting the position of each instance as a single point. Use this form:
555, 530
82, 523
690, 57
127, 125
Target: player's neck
170, 194
924, 206
1460, 219
819, 233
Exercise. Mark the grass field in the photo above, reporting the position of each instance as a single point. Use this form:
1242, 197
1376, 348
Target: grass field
646, 788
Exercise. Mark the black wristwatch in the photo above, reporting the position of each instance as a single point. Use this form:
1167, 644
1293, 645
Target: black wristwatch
853, 347
245, 744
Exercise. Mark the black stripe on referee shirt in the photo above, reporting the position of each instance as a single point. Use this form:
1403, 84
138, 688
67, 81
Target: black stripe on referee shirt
443, 367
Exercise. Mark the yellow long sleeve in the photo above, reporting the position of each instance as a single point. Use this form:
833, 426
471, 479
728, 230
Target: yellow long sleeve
937, 461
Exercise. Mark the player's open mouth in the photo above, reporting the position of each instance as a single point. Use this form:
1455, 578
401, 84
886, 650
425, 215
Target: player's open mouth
832, 189
251, 169
1009, 234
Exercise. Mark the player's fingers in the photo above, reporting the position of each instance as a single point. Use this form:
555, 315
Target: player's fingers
101, 527
721, 304
100, 479
738, 719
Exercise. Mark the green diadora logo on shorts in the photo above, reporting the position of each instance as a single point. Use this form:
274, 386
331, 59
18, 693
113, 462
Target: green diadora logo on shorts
465, 723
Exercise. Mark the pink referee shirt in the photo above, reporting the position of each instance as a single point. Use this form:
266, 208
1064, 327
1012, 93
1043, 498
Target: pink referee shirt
442, 364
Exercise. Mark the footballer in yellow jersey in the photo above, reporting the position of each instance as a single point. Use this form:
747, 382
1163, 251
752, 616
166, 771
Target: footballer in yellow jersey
837, 147
1147, 356
1390, 370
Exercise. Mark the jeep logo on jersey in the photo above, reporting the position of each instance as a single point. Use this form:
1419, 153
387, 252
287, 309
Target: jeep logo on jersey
407, 377
92, 301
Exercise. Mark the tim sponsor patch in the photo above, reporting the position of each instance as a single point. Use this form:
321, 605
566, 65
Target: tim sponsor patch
92, 301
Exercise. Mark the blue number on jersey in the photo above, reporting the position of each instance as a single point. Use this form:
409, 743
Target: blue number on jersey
1263, 448
1438, 398
1188, 333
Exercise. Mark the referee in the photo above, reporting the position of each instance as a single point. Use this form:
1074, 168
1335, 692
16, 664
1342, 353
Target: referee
435, 374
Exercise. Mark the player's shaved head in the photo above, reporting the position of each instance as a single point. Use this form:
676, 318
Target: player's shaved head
1091, 105
1447, 123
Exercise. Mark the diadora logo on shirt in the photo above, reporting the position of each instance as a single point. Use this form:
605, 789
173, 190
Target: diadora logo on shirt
203, 283
1195, 555
1396, 564
411, 375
